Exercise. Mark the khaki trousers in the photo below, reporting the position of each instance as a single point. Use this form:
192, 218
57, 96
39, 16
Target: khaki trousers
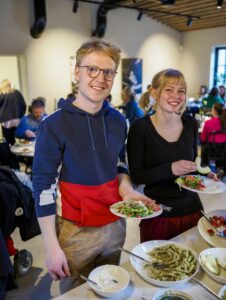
88, 247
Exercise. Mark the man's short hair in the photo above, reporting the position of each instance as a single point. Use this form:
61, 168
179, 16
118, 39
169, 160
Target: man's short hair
97, 45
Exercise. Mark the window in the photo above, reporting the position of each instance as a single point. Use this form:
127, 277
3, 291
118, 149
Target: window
220, 66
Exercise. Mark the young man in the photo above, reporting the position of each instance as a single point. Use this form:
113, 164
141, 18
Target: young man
82, 146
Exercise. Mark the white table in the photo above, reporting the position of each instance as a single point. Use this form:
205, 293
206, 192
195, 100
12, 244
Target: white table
142, 290
25, 150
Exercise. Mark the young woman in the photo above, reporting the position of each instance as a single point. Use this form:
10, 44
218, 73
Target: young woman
160, 148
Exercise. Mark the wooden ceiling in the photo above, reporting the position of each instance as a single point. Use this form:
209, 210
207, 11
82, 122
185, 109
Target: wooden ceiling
206, 11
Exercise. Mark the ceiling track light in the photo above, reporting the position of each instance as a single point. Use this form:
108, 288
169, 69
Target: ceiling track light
111, 5
75, 7
167, 2
140, 15
220, 4
189, 21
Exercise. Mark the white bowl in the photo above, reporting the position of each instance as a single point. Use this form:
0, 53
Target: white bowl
217, 253
222, 292
103, 275
139, 266
164, 293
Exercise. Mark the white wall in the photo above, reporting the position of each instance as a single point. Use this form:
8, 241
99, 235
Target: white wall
47, 58
197, 48
9, 70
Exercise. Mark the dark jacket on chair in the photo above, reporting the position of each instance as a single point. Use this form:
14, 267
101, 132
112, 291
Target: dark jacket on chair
16, 206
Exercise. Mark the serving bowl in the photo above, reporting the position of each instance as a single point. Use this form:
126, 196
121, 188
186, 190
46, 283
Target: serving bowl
163, 294
144, 271
220, 254
222, 292
111, 280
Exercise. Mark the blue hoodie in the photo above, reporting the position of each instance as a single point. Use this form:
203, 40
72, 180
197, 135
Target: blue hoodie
85, 152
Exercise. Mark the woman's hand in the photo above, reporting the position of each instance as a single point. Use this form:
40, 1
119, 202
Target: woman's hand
213, 176
182, 167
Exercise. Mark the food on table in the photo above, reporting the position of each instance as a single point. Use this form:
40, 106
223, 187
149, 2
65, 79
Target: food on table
210, 231
24, 142
172, 297
193, 181
181, 263
221, 263
200, 168
106, 279
211, 263
136, 209
26, 150
218, 222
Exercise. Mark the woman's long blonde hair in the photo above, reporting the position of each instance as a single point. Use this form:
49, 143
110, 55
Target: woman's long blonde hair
6, 87
164, 77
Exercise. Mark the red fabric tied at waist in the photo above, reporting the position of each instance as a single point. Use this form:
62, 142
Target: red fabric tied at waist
89, 205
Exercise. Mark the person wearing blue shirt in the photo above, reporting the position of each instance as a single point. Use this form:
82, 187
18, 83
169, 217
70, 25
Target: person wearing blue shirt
28, 125
131, 108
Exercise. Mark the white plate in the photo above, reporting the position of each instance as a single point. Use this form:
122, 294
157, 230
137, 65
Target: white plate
203, 226
114, 211
160, 294
27, 143
219, 253
21, 150
212, 187
222, 292
139, 266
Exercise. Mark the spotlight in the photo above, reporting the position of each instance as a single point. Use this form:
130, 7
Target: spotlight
140, 15
167, 2
189, 21
219, 4
75, 6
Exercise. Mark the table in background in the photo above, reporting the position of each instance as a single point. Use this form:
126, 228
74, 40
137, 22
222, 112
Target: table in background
25, 152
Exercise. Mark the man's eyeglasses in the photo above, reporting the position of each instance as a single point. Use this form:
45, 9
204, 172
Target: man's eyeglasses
94, 71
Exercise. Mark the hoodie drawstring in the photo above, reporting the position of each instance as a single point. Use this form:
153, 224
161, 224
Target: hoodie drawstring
105, 131
91, 133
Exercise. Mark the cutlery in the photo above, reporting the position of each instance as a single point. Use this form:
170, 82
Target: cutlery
154, 264
205, 287
165, 207
220, 234
91, 281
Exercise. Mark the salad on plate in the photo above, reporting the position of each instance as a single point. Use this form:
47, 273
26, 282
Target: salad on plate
136, 209
192, 181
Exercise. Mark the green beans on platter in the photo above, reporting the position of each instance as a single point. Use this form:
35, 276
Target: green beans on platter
181, 263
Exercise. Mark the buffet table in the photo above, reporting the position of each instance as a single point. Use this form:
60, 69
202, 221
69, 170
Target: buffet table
139, 289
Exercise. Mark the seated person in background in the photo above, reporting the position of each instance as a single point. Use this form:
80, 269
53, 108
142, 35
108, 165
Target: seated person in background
218, 122
222, 93
28, 125
132, 110
203, 92
212, 99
